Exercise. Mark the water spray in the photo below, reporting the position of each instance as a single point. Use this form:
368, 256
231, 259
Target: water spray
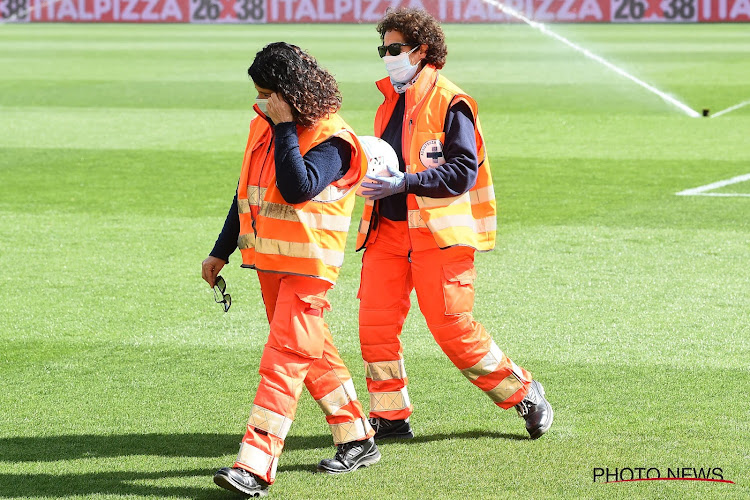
731, 108
545, 30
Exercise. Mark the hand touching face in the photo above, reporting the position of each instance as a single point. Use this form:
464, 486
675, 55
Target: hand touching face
279, 111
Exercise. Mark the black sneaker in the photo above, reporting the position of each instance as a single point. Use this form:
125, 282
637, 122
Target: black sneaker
241, 481
351, 456
391, 429
535, 410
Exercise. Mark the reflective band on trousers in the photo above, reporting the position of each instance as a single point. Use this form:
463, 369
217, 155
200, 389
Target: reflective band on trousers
257, 460
314, 220
505, 389
337, 398
518, 372
385, 401
299, 250
385, 370
269, 421
349, 431
486, 365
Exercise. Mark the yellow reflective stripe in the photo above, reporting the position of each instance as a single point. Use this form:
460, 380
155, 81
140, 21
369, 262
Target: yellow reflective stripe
299, 250
246, 241
385, 370
484, 225
384, 401
349, 431
243, 206
504, 389
332, 193
256, 459
427, 202
337, 398
415, 219
517, 371
329, 222
488, 364
255, 194
475, 197
279, 211
482, 195
269, 421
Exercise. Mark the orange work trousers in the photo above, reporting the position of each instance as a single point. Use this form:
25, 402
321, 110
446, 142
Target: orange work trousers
397, 261
299, 349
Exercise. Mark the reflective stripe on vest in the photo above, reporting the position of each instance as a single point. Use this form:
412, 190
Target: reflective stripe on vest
385, 370
384, 401
461, 220
298, 250
314, 220
269, 421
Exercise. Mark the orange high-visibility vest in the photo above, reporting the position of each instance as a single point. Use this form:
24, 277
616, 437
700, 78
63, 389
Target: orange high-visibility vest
305, 238
468, 219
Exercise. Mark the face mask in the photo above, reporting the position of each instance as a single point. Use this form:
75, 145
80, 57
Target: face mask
399, 68
262, 104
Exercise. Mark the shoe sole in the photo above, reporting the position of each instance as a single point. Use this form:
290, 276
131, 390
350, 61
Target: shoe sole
370, 459
227, 484
539, 431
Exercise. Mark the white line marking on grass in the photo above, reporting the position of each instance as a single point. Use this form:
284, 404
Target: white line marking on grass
545, 30
701, 191
731, 108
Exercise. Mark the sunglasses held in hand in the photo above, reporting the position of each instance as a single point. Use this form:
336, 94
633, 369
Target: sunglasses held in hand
393, 49
220, 286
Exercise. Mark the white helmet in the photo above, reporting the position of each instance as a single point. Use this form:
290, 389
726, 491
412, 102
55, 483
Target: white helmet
380, 156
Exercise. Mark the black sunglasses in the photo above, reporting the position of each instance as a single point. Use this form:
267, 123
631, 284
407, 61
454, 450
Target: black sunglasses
393, 49
221, 286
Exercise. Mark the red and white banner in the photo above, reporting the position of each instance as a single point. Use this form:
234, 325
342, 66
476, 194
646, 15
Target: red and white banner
370, 11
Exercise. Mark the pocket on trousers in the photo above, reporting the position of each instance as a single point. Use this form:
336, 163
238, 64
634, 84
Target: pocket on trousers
458, 286
305, 336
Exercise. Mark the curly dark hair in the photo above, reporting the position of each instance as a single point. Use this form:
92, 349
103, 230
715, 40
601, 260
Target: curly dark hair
418, 27
310, 90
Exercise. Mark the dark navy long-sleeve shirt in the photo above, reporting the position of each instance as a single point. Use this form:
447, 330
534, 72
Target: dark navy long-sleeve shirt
299, 178
456, 176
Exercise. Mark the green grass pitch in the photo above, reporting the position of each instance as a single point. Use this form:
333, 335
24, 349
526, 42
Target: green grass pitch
120, 147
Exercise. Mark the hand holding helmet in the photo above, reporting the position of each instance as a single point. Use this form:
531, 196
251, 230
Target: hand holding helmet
383, 175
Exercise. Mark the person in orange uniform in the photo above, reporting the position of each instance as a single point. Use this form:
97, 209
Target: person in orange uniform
290, 219
421, 227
